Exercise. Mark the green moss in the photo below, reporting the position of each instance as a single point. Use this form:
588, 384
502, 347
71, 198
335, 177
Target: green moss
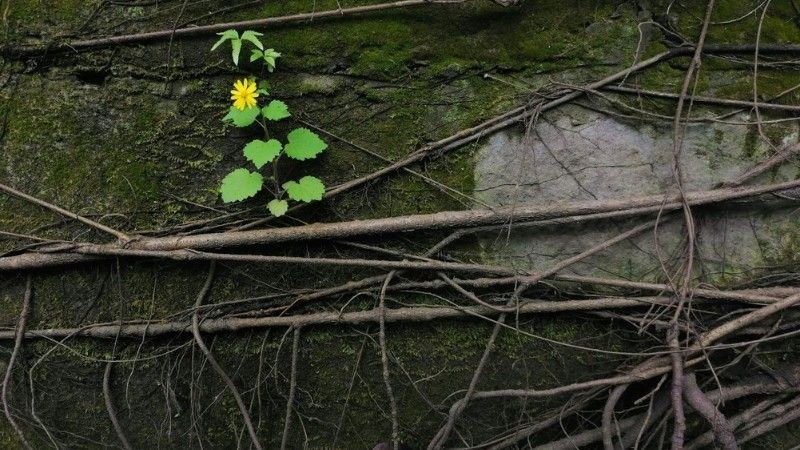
54, 17
390, 82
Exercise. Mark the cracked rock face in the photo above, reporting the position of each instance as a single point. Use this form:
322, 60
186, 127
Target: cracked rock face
574, 154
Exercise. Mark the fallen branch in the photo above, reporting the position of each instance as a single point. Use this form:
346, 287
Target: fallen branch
409, 314
68, 254
701, 99
204, 30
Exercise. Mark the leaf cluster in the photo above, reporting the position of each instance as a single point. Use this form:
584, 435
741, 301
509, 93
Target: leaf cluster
301, 144
269, 55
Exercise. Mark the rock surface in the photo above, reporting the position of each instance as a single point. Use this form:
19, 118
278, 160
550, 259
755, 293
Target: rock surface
576, 154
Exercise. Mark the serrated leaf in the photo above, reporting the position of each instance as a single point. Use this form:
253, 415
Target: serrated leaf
260, 152
270, 52
242, 118
240, 184
270, 55
307, 189
278, 207
236, 48
304, 144
252, 36
255, 54
226, 35
276, 110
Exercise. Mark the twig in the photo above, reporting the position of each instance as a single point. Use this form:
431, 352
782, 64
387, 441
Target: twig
784, 154
19, 337
198, 338
118, 234
702, 99
287, 424
112, 413
349, 391
608, 416
126, 39
385, 361
781, 415
749, 415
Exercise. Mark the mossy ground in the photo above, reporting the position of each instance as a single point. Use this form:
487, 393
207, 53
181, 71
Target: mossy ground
131, 136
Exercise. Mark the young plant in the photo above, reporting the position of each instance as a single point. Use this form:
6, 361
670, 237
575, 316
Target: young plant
301, 143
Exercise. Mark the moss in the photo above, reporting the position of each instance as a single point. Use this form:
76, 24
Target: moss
786, 251
55, 17
317, 84
390, 82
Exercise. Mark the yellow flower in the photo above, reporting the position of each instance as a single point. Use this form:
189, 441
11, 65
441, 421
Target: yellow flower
244, 94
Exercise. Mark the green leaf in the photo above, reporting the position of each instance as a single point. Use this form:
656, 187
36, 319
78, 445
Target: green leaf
307, 189
228, 34
251, 36
276, 110
240, 184
255, 54
270, 55
304, 144
260, 152
278, 207
236, 48
263, 87
242, 118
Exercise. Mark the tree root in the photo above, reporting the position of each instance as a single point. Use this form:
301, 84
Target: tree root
215, 365
19, 337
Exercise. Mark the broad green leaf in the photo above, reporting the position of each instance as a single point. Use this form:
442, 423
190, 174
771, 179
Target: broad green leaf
276, 110
260, 152
252, 36
240, 184
307, 189
304, 144
236, 48
228, 34
242, 118
255, 54
278, 207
